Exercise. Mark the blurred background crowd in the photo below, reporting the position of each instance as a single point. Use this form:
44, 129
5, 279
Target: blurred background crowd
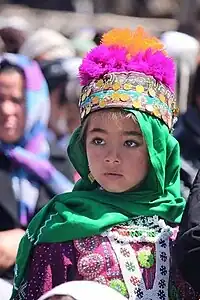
41, 51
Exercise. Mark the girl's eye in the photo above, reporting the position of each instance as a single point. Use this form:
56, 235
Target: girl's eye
130, 144
98, 141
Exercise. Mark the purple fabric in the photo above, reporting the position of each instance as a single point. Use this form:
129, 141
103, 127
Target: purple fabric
54, 264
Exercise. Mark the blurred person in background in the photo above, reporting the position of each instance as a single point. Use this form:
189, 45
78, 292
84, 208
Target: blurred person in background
72, 93
83, 40
47, 44
187, 132
185, 49
61, 77
28, 179
64, 88
14, 32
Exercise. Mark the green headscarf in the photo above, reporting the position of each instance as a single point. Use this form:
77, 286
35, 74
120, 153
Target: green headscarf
89, 211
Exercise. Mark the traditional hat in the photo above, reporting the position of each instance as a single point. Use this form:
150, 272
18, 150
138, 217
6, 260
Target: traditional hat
130, 69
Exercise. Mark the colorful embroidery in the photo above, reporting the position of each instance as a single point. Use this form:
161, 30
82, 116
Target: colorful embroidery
87, 245
119, 286
134, 280
145, 257
139, 293
129, 89
145, 261
130, 266
161, 295
91, 265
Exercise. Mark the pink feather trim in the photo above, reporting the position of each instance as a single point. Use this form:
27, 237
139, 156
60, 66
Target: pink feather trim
102, 60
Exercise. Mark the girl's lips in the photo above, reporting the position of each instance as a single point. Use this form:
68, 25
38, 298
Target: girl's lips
113, 175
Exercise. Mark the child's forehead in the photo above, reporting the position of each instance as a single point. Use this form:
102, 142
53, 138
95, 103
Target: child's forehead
113, 118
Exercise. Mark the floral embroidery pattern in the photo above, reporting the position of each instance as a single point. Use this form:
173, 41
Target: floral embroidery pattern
161, 295
162, 284
163, 256
131, 90
142, 249
91, 265
145, 257
163, 270
163, 243
130, 266
125, 252
139, 293
134, 280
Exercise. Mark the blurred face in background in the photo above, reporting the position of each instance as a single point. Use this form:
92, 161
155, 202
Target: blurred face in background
65, 115
56, 111
72, 117
12, 106
13, 39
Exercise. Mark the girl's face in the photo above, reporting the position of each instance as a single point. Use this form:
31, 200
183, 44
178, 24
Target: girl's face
116, 151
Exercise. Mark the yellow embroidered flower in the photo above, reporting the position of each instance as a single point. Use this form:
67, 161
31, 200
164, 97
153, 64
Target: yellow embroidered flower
116, 86
95, 100
139, 89
124, 97
156, 112
128, 86
115, 96
136, 103
102, 103
107, 85
100, 83
162, 97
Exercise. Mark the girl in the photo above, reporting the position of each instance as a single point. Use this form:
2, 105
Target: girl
118, 225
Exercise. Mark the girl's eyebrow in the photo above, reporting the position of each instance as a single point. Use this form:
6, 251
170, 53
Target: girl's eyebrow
126, 133
132, 132
98, 130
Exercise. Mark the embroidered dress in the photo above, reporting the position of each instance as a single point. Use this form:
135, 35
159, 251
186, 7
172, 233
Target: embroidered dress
133, 258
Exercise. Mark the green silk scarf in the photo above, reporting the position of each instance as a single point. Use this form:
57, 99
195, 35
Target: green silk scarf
89, 210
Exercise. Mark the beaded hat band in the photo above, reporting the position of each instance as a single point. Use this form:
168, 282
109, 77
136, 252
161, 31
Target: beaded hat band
129, 90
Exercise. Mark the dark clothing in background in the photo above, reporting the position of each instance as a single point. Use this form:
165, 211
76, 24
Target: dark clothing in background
187, 132
187, 248
9, 218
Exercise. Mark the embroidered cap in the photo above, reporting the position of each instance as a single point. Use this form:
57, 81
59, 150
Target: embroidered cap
129, 69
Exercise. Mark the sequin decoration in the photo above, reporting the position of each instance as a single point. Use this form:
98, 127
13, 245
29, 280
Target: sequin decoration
145, 257
132, 89
119, 286
87, 245
91, 265
102, 279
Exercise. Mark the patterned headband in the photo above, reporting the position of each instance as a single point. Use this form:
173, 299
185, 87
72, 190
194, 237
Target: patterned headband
133, 74
129, 90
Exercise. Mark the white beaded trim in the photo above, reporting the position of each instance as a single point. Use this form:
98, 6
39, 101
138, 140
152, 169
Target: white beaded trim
133, 276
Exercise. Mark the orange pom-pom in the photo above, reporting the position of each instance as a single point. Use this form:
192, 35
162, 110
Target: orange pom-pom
134, 41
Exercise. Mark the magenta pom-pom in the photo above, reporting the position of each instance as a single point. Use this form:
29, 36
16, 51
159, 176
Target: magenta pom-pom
103, 60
